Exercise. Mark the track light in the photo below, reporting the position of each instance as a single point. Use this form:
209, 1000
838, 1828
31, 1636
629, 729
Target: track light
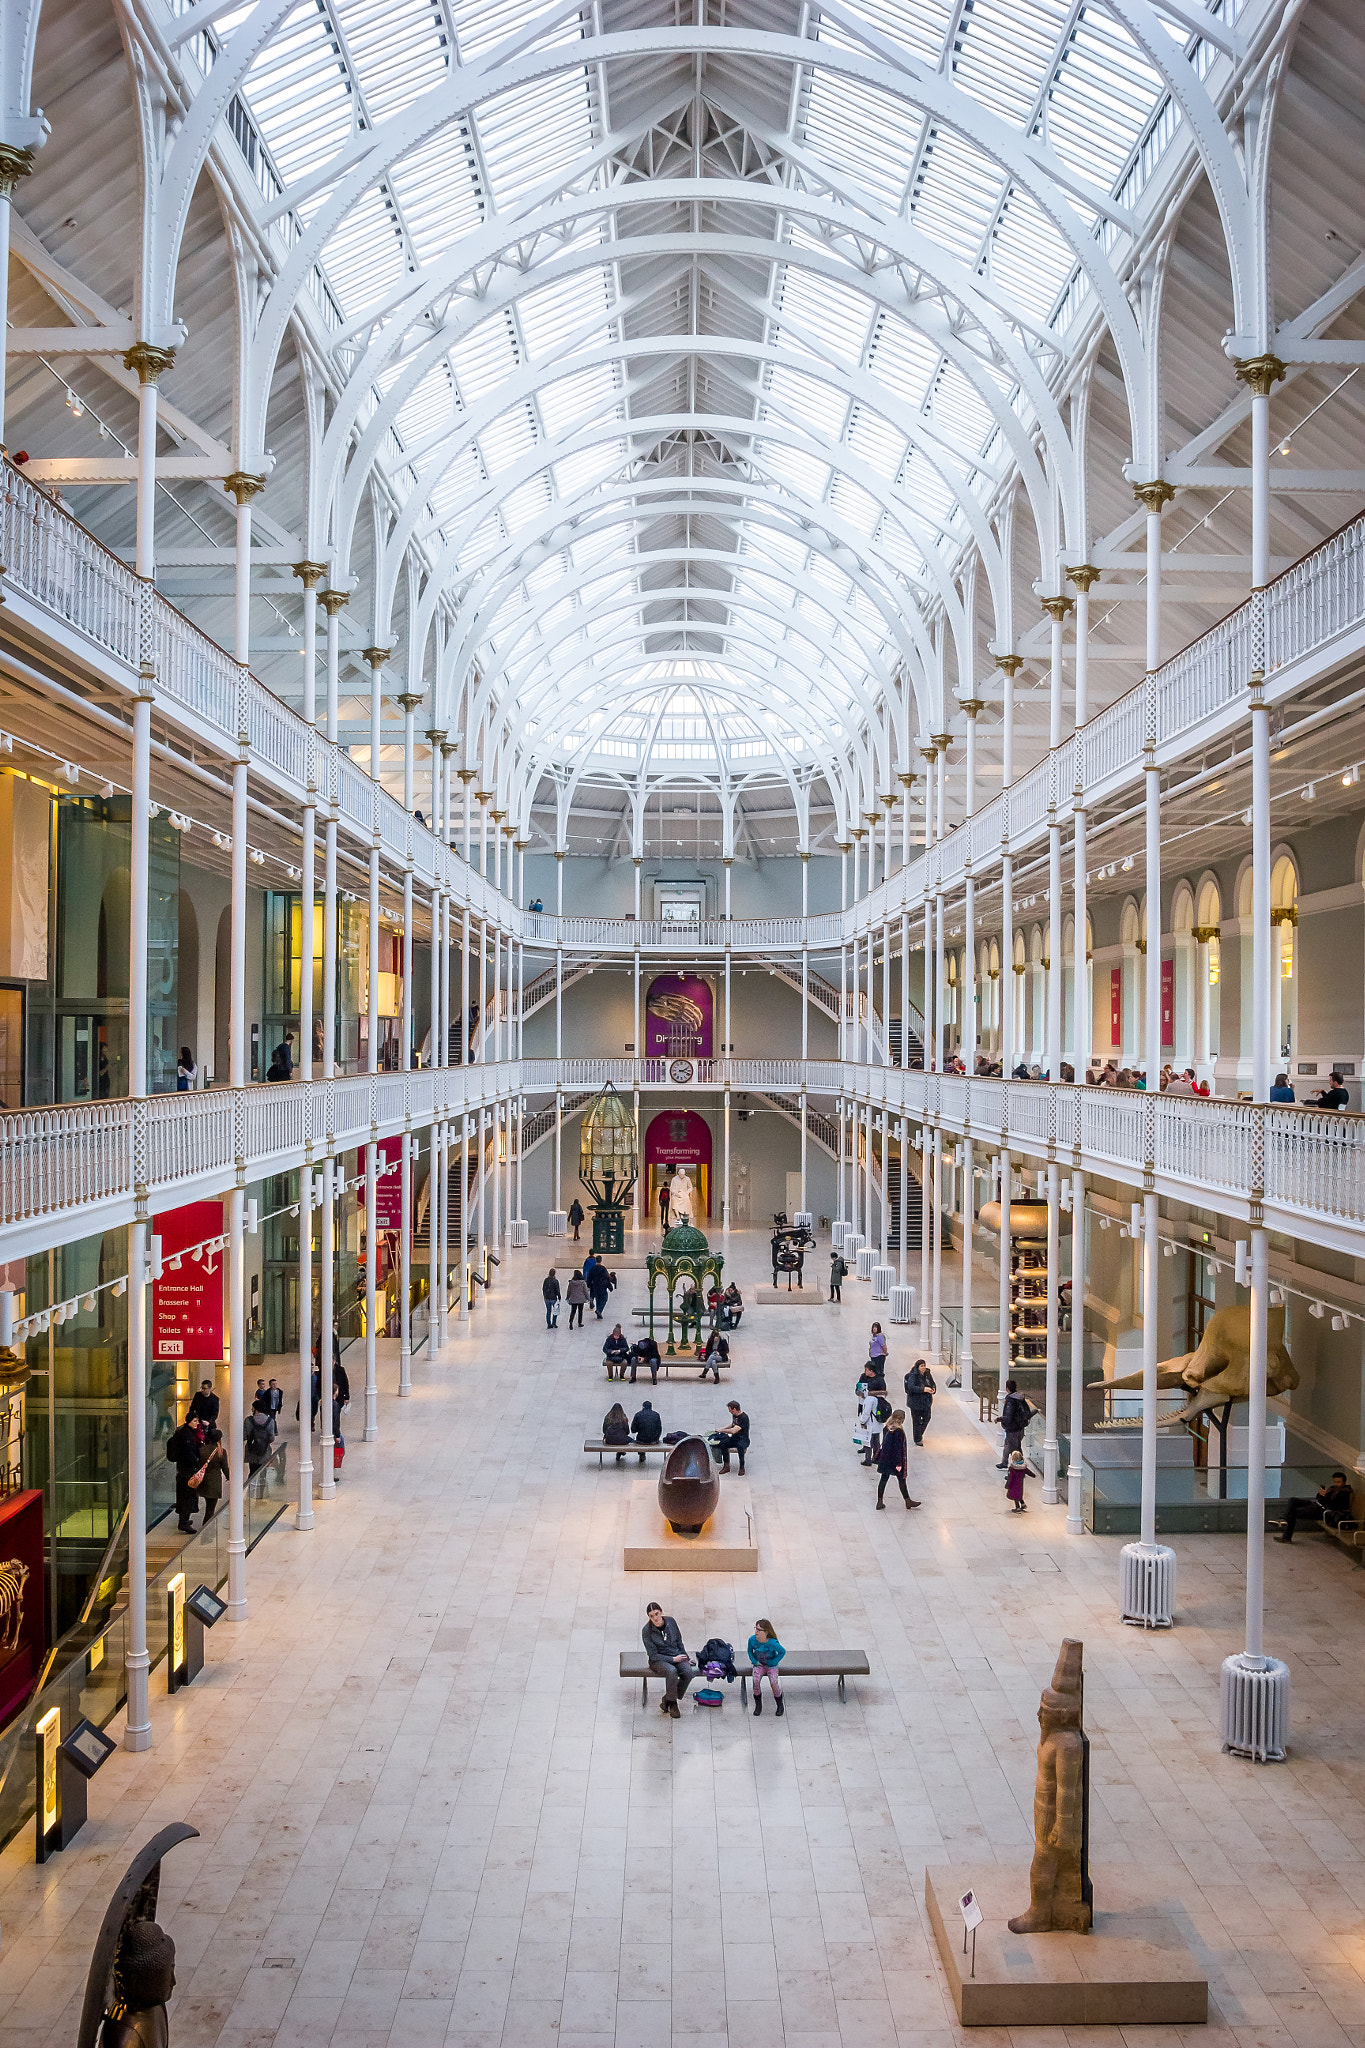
1338, 1322
1309, 791
1316, 1310
74, 405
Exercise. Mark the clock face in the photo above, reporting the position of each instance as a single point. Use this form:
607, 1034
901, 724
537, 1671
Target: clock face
680, 1071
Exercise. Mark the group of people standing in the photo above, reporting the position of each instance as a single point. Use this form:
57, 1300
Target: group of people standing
590, 1282
881, 1428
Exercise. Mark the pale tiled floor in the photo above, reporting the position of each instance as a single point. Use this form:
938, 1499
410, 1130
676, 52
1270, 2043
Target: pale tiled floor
430, 1811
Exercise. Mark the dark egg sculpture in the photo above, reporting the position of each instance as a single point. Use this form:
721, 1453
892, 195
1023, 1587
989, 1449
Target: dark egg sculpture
689, 1487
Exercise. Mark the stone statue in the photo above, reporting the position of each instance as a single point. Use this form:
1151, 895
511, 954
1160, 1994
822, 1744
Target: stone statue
1061, 1897
1220, 1370
682, 1198
132, 1971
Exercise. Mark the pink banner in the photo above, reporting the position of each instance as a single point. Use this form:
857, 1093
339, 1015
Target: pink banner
187, 1306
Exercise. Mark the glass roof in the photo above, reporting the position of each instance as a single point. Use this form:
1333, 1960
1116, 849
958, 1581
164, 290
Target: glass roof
694, 471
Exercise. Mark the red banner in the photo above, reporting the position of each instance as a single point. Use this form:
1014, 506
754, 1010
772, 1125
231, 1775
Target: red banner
187, 1306
388, 1191
1116, 1007
1167, 1003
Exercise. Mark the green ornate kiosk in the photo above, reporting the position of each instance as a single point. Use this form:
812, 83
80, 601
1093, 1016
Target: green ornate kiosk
607, 1166
685, 1256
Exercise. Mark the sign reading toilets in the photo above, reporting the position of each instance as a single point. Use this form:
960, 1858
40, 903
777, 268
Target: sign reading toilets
187, 1306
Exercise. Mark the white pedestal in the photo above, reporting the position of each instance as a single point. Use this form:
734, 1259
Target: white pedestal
1255, 1704
882, 1277
726, 1544
904, 1305
867, 1259
804, 1219
518, 1234
1147, 1585
837, 1232
559, 1222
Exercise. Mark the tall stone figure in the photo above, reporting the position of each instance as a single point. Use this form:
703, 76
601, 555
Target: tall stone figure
681, 1198
1061, 1897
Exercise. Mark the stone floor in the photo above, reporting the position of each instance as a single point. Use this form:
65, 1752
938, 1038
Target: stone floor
431, 1812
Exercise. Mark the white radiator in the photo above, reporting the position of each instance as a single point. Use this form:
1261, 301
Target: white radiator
1147, 1589
848, 1250
882, 1277
904, 1305
836, 1233
804, 1219
1256, 1707
517, 1232
559, 1222
867, 1259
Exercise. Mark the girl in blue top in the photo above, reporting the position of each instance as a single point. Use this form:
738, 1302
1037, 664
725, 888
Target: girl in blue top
765, 1654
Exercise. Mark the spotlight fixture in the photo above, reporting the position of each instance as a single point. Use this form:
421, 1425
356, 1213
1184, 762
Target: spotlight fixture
1316, 1310
106, 790
1128, 865
74, 405
1246, 817
1309, 791
1350, 778
1338, 1322
1283, 448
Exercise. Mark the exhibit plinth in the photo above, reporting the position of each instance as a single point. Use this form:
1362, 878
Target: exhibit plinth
1133, 1970
727, 1543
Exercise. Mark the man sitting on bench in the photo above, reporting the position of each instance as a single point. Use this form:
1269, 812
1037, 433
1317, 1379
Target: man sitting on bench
644, 1351
648, 1426
1332, 1505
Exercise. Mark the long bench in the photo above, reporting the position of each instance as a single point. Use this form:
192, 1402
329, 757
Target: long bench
671, 1365
840, 1664
603, 1449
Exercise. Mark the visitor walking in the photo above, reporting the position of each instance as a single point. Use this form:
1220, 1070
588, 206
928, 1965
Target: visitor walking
667, 1656
204, 1407
616, 1428
616, 1351
341, 1388
1015, 1413
1015, 1475
185, 1450
549, 1288
599, 1286
838, 1272
663, 1206
765, 1654
876, 1348
576, 1294
647, 1425
575, 1217
215, 1474
920, 1389
893, 1458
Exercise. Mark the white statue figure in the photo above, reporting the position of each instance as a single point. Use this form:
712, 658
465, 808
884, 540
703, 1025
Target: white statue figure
682, 1197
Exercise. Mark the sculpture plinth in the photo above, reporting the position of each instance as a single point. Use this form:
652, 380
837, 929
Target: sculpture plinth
689, 1487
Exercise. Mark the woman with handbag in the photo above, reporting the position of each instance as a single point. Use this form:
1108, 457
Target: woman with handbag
213, 1475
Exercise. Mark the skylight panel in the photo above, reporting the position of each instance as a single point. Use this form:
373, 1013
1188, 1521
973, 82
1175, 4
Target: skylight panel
1029, 259
1006, 52
577, 400
959, 408
437, 189
833, 316
904, 360
854, 505
919, 26
874, 441
535, 134
1103, 99
794, 396
485, 358
804, 475
480, 25
866, 137
364, 258
397, 52
901, 548
511, 436
557, 312
957, 195
460, 480
573, 474
525, 505
299, 95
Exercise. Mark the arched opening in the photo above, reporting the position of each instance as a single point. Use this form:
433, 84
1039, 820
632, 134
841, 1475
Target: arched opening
222, 997
187, 982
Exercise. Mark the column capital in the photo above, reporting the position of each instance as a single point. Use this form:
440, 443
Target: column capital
407, 701
521, 844
1083, 575
310, 574
1258, 373
1202, 934
447, 747
14, 165
1057, 607
483, 796
242, 485
890, 799
805, 854
971, 705
376, 656
497, 816
435, 736
1010, 664
1284, 914
466, 775
844, 845
147, 359
333, 600
942, 741
637, 860
561, 853
1154, 496
873, 817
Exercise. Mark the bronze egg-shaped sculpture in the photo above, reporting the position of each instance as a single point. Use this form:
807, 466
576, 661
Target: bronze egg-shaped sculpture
689, 1487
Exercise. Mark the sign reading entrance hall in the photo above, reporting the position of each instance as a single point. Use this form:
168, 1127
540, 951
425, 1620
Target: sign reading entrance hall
187, 1305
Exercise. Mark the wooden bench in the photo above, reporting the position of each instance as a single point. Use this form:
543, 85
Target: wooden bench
679, 1364
840, 1664
603, 1449
1348, 1533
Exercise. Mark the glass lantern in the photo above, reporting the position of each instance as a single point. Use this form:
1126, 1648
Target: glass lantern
607, 1166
